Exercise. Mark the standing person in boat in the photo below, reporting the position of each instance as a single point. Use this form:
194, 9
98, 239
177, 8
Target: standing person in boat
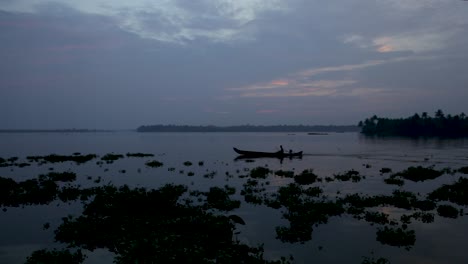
281, 149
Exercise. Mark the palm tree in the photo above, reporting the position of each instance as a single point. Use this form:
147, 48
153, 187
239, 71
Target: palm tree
439, 114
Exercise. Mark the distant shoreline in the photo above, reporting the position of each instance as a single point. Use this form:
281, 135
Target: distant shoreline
248, 128
53, 130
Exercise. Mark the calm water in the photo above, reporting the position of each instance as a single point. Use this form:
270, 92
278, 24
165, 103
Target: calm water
342, 240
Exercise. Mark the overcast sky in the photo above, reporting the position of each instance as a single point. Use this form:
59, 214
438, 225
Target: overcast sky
112, 64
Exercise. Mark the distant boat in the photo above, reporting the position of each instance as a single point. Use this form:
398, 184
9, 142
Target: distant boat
258, 154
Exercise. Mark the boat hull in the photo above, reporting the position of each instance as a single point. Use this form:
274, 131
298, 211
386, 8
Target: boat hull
258, 154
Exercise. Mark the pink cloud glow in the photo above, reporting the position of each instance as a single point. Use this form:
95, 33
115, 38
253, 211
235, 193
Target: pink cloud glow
280, 82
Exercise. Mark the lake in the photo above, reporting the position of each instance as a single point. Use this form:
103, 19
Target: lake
210, 161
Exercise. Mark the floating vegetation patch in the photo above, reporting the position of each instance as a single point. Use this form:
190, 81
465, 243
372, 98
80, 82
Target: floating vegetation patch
253, 192
53, 158
42, 190
306, 177
377, 218
302, 212
55, 257
110, 158
259, 172
448, 211
456, 193
149, 226
154, 164
210, 175
171, 225
12, 159
349, 175
66, 176
385, 170
139, 155
394, 181
463, 170
396, 237
373, 260
419, 173
420, 216
219, 198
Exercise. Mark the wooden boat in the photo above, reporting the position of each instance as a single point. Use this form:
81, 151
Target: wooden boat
278, 154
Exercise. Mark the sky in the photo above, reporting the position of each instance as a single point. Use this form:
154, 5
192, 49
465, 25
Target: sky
115, 64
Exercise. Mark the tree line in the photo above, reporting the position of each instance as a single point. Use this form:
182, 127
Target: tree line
423, 125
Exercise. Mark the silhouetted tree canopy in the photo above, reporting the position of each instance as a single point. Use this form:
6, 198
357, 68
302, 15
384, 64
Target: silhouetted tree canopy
423, 125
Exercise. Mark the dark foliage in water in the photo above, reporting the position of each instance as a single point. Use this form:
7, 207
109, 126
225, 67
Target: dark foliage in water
142, 225
253, 192
219, 198
394, 181
385, 170
463, 170
66, 176
417, 126
10, 162
259, 172
303, 211
349, 175
305, 177
139, 155
456, 193
419, 173
110, 157
396, 237
424, 217
286, 174
53, 158
148, 226
12, 159
372, 260
399, 199
154, 164
34, 191
448, 211
210, 175
55, 257
377, 218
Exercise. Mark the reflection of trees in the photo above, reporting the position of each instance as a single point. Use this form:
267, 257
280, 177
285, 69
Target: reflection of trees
440, 125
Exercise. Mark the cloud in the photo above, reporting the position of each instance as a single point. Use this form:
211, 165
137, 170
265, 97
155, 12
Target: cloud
294, 89
177, 21
340, 68
417, 42
307, 82
413, 4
